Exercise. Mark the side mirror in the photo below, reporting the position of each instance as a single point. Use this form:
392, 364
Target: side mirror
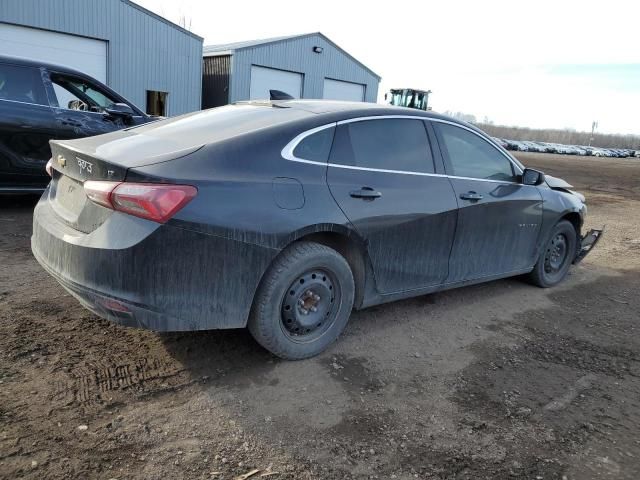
532, 177
120, 110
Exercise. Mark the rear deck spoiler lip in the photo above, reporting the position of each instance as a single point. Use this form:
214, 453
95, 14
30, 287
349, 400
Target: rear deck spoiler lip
143, 162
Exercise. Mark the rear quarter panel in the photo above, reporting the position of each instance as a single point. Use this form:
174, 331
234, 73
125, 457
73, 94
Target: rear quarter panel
251, 197
241, 185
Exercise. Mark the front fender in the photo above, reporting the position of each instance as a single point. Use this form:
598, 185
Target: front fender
556, 206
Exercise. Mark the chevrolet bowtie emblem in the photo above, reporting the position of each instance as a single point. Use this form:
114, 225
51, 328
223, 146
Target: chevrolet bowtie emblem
61, 160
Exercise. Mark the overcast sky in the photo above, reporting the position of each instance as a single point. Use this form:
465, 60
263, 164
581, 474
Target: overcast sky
549, 64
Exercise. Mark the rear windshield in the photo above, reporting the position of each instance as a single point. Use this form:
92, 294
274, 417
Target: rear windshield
219, 123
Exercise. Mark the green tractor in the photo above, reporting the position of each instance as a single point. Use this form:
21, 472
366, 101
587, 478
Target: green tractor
408, 97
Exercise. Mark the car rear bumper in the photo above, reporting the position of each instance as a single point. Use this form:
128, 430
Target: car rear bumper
142, 274
116, 310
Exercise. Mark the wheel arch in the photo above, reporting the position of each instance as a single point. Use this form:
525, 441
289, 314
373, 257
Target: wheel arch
575, 218
347, 243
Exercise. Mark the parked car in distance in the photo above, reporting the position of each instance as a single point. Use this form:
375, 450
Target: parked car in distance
547, 147
501, 142
511, 144
520, 146
544, 147
580, 150
535, 147
41, 101
564, 149
284, 216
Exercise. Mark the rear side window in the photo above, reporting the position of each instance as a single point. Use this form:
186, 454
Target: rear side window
22, 84
473, 157
316, 146
388, 144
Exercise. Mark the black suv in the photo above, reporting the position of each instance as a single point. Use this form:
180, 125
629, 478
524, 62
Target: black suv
40, 102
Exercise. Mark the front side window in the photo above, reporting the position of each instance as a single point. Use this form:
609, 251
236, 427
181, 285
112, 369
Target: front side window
77, 94
388, 144
316, 146
21, 84
472, 156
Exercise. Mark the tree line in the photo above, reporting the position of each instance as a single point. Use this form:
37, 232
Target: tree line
549, 135
566, 137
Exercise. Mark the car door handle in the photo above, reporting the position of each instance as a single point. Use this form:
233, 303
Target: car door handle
473, 196
366, 193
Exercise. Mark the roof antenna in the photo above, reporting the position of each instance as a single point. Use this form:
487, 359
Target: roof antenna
279, 95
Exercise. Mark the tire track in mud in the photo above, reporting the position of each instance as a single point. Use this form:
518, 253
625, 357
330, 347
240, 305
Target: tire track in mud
97, 383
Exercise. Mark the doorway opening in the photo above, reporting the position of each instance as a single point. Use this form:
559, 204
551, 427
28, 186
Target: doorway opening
157, 103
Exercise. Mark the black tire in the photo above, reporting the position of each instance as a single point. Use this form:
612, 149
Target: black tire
306, 277
556, 257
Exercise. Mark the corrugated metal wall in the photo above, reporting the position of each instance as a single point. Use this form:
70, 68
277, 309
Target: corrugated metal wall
297, 55
144, 52
215, 81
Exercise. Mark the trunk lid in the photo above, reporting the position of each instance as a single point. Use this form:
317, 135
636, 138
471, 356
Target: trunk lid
105, 158
108, 157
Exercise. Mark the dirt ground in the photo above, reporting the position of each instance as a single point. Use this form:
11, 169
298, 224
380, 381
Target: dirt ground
500, 380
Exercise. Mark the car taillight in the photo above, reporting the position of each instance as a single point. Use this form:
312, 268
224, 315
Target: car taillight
152, 201
100, 192
49, 168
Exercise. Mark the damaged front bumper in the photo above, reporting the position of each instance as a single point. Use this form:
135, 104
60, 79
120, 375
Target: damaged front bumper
587, 242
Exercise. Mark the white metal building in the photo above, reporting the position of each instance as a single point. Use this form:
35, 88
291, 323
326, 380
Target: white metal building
139, 54
304, 66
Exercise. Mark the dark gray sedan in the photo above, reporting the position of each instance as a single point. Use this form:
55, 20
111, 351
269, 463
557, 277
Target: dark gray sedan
283, 216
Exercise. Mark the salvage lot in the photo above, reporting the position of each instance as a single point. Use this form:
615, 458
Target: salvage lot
501, 380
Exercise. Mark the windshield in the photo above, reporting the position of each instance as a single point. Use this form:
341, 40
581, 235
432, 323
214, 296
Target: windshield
409, 98
420, 101
396, 98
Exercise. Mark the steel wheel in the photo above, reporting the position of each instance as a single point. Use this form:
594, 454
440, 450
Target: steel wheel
310, 306
556, 255
304, 301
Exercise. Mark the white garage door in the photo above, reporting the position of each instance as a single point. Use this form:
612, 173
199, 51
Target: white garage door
339, 90
85, 54
264, 79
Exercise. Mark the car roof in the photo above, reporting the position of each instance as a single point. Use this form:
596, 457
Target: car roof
28, 62
350, 109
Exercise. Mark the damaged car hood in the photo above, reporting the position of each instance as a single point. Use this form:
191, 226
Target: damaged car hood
555, 182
